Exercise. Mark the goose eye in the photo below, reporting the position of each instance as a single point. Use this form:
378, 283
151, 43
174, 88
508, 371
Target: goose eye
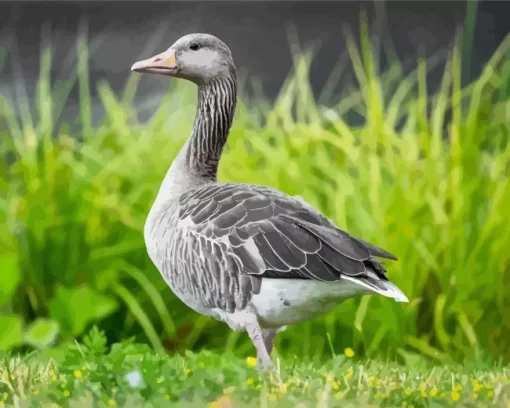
194, 46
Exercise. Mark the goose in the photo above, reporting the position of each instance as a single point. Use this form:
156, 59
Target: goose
247, 255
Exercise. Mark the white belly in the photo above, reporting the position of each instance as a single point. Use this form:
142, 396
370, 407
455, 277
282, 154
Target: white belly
288, 301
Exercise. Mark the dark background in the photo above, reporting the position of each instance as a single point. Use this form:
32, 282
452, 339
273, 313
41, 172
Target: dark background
256, 31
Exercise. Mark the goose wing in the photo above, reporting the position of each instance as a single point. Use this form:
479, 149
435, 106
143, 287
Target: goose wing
270, 234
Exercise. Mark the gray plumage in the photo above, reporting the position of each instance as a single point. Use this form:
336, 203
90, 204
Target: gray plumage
245, 254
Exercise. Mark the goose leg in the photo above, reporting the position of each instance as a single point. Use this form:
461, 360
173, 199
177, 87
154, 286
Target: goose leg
269, 336
257, 338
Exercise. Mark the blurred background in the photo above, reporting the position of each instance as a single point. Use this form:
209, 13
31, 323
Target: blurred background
257, 32
389, 116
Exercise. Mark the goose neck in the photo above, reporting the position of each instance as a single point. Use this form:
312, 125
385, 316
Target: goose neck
215, 112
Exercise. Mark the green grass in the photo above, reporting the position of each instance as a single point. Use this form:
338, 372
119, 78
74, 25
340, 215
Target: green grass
425, 176
133, 375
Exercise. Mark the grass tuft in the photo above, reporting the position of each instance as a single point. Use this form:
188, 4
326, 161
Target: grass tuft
131, 374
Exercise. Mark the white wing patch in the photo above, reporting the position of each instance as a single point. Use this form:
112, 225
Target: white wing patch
252, 249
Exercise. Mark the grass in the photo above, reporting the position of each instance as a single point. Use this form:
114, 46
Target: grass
425, 176
130, 374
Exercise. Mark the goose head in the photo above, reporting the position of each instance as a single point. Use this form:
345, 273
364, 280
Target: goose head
199, 58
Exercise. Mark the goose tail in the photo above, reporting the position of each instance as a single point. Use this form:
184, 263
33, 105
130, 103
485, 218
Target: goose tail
383, 287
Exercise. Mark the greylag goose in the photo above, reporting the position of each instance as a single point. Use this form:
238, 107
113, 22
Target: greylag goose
248, 255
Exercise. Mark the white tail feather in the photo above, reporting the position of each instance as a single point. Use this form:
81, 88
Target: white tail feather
384, 288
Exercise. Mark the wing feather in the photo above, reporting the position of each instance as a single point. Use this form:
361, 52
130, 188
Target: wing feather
268, 254
231, 217
336, 238
304, 241
316, 269
204, 210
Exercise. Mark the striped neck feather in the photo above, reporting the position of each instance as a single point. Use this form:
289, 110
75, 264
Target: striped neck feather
215, 112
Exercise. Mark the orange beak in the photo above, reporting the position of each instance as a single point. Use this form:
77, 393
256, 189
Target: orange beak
163, 63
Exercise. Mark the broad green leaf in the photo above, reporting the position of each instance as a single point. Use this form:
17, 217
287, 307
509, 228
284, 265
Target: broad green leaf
42, 333
11, 331
75, 308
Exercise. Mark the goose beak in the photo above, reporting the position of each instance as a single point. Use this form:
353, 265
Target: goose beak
163, 63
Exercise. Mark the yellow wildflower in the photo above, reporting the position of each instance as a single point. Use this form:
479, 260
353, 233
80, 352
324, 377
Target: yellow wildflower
250, 381
433, 392
251, 361
78, 373
67, 393
475, 395
213, 404
348, 374
349, 352
455, 395
111, 402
